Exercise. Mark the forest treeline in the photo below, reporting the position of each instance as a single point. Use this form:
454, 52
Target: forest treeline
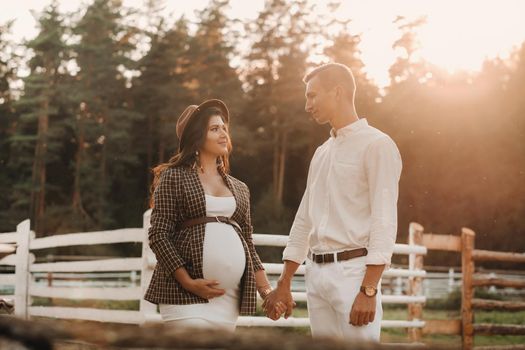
94, 109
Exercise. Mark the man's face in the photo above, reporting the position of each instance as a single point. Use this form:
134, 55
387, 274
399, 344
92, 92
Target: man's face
320, 103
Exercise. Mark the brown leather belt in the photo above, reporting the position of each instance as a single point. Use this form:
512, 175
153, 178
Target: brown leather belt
207, 219
344, 255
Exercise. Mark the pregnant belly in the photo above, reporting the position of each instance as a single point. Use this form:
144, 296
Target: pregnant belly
223, 255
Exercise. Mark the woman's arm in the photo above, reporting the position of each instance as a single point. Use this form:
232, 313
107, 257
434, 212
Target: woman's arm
247, 231
263, 285
204, 288
164, 222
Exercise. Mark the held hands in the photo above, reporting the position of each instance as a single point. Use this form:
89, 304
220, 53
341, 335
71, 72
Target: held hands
277, 302
363, 310
204, 288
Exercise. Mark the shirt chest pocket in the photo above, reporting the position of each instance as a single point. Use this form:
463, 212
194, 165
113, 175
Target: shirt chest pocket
349, 177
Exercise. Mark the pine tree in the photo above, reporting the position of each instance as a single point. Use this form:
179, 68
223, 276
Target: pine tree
8, 116
38, 136
276, 65
162, 89
104, 159
211, 75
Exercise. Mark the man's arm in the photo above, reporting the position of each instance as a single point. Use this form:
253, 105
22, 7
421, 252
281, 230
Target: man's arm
364, 308
283, 292
293, 255
383, 167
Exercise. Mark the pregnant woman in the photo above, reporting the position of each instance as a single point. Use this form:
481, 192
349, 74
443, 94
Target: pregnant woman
207, 271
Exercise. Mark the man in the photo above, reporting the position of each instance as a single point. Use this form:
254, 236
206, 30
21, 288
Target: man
346, 223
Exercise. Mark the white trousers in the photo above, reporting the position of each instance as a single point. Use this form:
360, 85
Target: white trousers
331, 289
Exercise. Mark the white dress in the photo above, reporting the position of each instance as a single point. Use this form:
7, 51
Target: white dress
223, 260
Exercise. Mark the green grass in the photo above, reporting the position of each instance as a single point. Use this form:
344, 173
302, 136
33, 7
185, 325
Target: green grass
399, 335
89, 303
498, 317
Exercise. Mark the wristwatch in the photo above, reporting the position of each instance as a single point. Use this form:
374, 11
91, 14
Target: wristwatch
369, 291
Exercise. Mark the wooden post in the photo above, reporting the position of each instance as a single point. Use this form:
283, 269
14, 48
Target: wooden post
415, 262
23, 231
147, 309
467, 292
450, 288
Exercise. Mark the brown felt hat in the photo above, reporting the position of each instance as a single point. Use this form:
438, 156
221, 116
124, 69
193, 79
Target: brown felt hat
192, 111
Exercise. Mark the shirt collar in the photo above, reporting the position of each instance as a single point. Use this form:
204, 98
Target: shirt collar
354, 126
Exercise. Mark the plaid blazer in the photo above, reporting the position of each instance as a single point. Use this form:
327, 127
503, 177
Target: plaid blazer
178, 197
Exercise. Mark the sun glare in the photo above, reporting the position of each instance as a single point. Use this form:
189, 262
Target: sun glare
457, 35
460, 36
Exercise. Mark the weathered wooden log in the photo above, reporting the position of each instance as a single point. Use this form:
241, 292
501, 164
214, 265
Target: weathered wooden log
500, 329
46, 333
498, 282
488, 255
485, 304
501, 347
18, 333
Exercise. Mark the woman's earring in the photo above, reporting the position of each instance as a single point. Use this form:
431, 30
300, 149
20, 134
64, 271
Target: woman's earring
198, 162
220, 163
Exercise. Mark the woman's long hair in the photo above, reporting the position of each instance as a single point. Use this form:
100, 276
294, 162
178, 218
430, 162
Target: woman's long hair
191, 141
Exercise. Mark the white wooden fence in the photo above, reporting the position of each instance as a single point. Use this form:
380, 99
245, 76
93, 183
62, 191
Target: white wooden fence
25, 287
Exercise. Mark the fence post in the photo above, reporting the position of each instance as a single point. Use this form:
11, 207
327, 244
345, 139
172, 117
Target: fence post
467, 292
415, 262
147, 309
450, 280
492, 289
398, 286
23, 231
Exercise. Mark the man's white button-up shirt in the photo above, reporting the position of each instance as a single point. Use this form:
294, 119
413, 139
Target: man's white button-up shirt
351, 195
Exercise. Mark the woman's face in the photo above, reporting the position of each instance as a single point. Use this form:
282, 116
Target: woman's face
217, 137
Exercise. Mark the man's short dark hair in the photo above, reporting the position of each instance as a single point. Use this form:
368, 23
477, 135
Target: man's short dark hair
332, 74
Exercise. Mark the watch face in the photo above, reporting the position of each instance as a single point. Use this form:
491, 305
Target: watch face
370, 291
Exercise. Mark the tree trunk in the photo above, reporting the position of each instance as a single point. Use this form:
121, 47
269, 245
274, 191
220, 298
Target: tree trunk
275, 168
103, 178
149, 150
37, 206
76, 205
40, 213
282, 166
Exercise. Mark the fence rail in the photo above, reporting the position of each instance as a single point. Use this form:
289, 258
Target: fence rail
470, 257
27, 272
139, 269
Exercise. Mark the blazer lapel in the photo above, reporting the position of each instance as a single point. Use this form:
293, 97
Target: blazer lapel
195, 199
240, 205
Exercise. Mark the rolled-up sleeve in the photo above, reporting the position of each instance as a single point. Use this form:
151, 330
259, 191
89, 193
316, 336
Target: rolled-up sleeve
164, 222
297, 246
383, 166
298, 241
247, 231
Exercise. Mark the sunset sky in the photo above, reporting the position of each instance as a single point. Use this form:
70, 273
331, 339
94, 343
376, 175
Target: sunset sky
458, 35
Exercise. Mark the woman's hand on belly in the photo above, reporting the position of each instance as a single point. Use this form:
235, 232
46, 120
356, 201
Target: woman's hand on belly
204, 288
